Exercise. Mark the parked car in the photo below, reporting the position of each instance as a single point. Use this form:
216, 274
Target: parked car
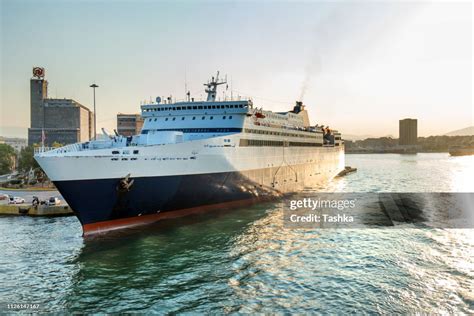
16, 200
4, 197
53, 201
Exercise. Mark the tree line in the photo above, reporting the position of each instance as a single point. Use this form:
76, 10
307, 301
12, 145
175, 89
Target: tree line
21, 161
424, 144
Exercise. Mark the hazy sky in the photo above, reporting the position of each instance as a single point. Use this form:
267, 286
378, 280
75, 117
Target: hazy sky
365, 65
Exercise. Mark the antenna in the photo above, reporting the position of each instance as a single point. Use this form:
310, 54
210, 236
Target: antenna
185, 82
211, 89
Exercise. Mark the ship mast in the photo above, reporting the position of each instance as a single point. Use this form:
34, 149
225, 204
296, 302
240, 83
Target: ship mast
211, 89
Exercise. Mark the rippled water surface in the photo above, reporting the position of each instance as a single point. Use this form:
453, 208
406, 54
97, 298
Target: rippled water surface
246, 261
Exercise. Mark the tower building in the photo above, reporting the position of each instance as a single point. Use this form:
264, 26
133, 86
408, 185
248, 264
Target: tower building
408, 131
56, 120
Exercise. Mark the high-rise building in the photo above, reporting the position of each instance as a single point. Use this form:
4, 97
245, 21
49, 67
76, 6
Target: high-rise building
129, 124
56, 120
408, 131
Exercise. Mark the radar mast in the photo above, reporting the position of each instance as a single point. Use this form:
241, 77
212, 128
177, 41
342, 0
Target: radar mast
211, 89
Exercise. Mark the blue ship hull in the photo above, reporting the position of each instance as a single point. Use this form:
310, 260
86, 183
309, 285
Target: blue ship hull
101, 200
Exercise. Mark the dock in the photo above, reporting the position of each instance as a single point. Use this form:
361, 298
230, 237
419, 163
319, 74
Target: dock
40, 210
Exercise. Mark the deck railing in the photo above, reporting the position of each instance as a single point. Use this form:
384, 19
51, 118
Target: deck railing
42, 149
65, 149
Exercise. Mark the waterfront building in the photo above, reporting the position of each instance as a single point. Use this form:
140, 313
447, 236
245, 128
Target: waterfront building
408, 132
65, 121
129, 124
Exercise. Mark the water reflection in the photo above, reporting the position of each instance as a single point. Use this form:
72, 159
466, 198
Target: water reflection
247, 261
163, 267
437, 172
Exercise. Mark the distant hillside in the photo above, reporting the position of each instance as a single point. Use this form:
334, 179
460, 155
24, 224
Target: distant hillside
468, 131
355, 137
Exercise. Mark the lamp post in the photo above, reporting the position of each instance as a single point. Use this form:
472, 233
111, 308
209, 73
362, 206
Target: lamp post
93, 86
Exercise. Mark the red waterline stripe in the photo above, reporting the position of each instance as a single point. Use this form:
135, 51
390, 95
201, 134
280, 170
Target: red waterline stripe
116, 224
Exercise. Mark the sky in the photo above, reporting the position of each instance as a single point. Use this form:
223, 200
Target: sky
359, 66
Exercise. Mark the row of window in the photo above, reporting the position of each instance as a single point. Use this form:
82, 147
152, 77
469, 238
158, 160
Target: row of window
125, 152
198, 107
197, 130
275, 143
183, 118
259, 131
155, 158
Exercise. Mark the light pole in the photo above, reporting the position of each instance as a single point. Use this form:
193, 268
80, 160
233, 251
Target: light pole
93, 86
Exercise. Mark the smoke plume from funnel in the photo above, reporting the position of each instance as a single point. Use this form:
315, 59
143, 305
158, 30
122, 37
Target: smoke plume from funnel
312, 68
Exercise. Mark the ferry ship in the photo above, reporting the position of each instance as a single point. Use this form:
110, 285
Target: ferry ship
192, 156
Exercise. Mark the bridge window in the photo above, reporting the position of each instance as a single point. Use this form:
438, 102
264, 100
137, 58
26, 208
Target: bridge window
190, 107
194, 118
135, 151
223, 117
203, 117
182, 119
200, 107
174, 118
230, 117
195, 107
166, 119
115, 152
212, 117
213, 107
155, 120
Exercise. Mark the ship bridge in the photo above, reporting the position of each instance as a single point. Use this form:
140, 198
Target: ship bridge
196, 120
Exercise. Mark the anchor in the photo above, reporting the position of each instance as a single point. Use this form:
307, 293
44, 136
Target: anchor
125, 184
